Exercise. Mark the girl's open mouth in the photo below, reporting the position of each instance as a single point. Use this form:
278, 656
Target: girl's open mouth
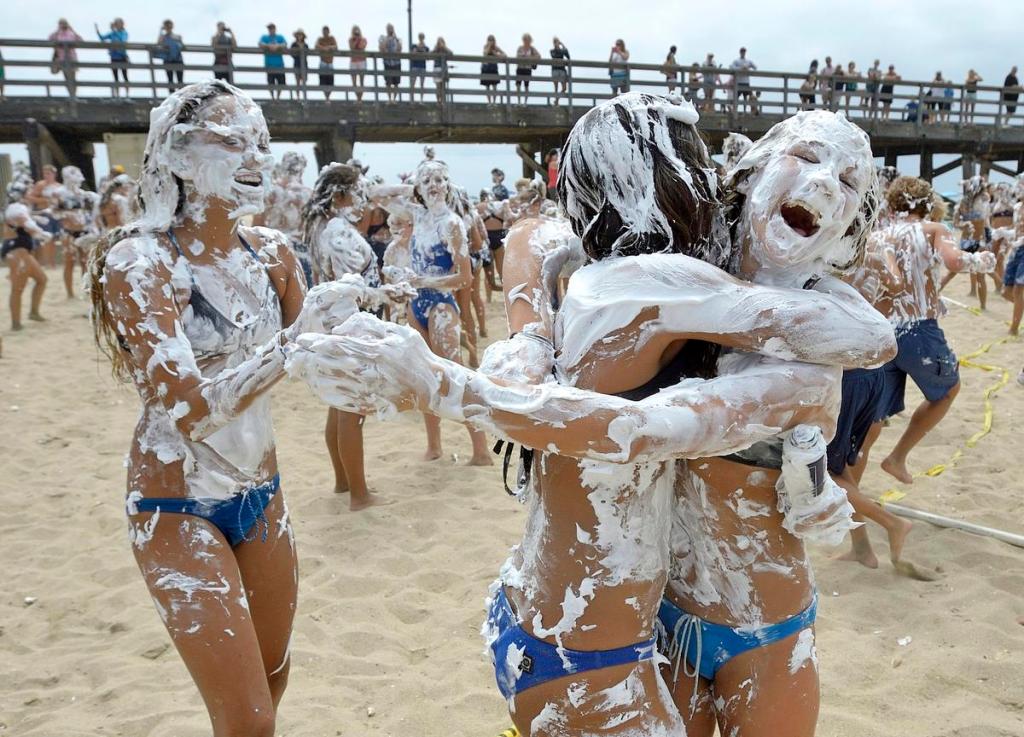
801, 219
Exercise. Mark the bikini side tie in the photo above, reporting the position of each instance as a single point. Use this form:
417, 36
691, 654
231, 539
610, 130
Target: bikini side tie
687, 627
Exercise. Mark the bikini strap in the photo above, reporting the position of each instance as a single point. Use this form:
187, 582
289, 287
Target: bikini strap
248, 247
174, 240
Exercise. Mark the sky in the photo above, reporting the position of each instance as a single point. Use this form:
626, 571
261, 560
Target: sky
916, 35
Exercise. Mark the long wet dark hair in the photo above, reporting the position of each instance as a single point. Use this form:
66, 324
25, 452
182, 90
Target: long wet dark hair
636, 178
334, 179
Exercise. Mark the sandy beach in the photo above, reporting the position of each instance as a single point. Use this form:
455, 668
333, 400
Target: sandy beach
390, 599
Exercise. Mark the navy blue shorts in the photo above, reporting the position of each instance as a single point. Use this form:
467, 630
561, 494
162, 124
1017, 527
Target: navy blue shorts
48, 223
926, 357
1014, 274
863, 390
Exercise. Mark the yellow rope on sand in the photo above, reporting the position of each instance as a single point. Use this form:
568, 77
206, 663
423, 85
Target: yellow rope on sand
510, 732
894, 495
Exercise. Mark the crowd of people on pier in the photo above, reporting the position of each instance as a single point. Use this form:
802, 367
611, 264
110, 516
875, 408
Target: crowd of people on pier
679, 443
404, 72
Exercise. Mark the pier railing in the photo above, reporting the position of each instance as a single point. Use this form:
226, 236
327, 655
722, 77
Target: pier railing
437, 80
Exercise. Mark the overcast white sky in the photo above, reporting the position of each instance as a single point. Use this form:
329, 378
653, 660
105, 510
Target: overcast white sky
919, 36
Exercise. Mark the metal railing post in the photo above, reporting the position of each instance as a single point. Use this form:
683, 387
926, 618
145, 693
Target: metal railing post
785, 95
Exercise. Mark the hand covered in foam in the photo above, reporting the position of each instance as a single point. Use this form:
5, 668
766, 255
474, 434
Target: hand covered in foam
366, 365
398, 292
525, 358
982, 262
814, 508
329, 305
396, 274
401, 274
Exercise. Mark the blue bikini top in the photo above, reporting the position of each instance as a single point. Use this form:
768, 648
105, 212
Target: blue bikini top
212, 333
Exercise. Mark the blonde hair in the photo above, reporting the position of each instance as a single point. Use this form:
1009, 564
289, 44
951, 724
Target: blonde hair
939, 209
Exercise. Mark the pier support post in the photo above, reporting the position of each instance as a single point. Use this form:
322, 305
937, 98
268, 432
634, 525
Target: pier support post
968, 168
927, 164
336, 146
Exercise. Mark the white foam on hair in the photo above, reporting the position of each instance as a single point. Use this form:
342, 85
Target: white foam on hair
734, 147
625, 171
833, 246
159, 188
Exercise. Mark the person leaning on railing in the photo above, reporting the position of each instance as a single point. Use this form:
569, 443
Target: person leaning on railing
1011, 91
559, 69
117, 38
889, 79
970, 95
168, 48
489, 69
357, 62
65, 58
274, 45
618, 72
670, 69
710, 80
327, 45
300, 59
807, 88
418, 66
871, 89
223, 43
389, 43
527, 55
853, 78
442, 55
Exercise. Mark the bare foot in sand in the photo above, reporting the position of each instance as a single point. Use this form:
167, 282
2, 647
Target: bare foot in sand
36, 317
341, 488
897, 537
860, 552
897, 469
432, 454
480, 460
363, 501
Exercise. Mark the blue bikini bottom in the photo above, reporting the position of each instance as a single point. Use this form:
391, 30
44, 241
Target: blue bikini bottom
708, 646
234, 517
426, 300
522, 661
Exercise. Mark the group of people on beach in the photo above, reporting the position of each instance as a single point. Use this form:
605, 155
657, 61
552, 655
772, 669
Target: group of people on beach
699, 359
50, 214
